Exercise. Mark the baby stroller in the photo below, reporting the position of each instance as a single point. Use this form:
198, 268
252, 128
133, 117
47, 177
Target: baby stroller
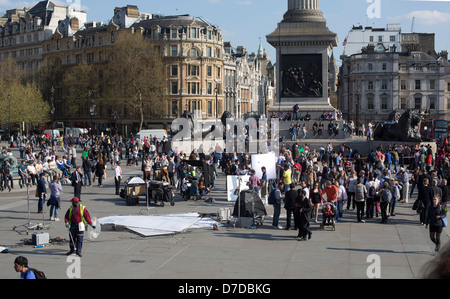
328, 213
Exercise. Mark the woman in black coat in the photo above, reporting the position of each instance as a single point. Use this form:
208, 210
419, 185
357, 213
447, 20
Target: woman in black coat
427, 195
303, 214
433, 218
100, 171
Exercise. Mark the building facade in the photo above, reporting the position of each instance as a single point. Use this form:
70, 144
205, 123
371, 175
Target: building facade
23, 31
200, 75
374, 84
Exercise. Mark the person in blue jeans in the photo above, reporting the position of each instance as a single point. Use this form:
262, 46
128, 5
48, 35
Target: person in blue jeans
277, 205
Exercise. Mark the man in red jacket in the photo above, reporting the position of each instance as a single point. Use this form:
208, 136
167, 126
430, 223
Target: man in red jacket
331, 191
76, 219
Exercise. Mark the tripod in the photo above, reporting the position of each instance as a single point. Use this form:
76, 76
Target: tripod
35, 226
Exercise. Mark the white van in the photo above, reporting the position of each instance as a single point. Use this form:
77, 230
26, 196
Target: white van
158, 133
76, 132
52, 132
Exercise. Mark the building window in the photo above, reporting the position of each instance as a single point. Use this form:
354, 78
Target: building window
193, 88
193, 52
432, 103
174, 71
403, 103
384, 84
173, 51
193, 33
448, 103
370, 85
209, 71
371, 39
370, 104
370, 67
432, 84
448, 87
174, 33
209, 88
392, 38
209, 108
174, 89
418, 102
174, 108
384, 103
384, 66
193, 70
380, 38
403, 85
418, 83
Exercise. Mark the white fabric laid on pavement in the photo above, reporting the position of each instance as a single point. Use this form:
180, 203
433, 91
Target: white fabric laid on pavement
156, 225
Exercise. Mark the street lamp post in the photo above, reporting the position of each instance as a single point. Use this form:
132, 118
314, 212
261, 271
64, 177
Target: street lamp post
9, 117
92, 113
53, 109
217, 101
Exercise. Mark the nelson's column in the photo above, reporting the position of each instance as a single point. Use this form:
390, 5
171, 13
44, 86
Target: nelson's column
303, 43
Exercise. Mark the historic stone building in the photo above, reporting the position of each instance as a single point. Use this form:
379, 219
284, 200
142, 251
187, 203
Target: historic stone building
201, 76
23, 31
192, 52
248, 81
374, 83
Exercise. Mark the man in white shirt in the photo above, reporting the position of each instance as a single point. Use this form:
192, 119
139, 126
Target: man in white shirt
117, 177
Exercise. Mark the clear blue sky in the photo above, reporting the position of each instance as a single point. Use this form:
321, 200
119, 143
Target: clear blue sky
244, 22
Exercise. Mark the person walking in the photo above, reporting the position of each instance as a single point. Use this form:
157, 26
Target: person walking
426, 197
55, 198
303, 212
351, 183
76, 219
341, 198
21, 266
434, 219
315, 195
385, 199
372, 187
87, 171
41, 192
77, 182
289, 205
360, 197
117, 177
277, 199
100, 171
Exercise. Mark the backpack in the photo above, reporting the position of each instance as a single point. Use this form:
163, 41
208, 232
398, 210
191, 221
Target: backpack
37, 273
272, 200
386, 196
372, 192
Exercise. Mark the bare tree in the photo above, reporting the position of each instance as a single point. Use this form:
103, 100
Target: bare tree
136, 76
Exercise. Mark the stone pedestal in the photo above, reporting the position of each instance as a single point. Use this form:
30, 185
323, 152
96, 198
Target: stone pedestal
303, 43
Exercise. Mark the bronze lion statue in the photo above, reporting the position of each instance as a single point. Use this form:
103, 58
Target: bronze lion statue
406, 129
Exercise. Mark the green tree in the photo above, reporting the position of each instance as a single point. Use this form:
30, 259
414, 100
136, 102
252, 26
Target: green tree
19, 101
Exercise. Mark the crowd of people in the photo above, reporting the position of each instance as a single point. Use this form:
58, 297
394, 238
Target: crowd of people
371, 185
307, 180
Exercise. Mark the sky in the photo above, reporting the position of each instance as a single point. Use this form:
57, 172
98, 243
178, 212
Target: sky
246, 22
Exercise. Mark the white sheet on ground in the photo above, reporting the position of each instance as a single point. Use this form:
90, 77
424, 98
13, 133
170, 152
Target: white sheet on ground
155, 225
